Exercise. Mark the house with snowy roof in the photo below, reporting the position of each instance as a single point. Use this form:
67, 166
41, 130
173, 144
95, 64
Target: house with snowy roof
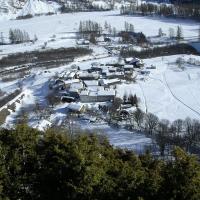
84, 75
88, 96
109, 82
76, 108
88, 83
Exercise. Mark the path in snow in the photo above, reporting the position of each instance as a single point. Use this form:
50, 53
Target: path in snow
178, 99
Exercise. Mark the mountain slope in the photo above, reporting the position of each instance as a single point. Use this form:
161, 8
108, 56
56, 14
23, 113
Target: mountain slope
38, 7
6, 7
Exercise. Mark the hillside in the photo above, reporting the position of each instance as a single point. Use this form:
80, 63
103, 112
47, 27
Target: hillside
6, 7
38, 7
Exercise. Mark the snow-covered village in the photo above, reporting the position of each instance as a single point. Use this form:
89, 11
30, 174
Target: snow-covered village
126, 70
100, 67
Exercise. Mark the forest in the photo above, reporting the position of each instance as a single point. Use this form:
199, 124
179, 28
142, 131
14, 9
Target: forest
175, 10
58, 165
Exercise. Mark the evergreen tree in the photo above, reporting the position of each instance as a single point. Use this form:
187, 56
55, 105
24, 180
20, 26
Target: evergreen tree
2, 41
11, 36
160, 32
53, 165
106, 25
179, 33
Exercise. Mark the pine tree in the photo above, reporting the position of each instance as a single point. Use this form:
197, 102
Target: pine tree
35, 38
160, 32
125, 98
81, 27
106, 25
179, 33
2, 41
114, 32
131, 28
126, 26
11, 36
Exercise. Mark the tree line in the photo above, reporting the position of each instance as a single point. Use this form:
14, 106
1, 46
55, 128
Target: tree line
90, 30
17, 36
176, 10
56, 165
159, 51
166, 134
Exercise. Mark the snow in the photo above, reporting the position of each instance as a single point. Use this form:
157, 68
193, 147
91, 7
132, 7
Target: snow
168, 92
64, 29
37, 7
75, 106
106, 93
6, 8
91, 83
109, 81
119, 137
100, 4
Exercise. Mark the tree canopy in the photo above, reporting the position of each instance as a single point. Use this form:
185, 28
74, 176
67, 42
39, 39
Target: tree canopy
54, 165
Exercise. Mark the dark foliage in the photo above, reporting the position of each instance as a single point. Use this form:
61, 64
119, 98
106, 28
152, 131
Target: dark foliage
52, 165
160, 51
179, 10
45, 57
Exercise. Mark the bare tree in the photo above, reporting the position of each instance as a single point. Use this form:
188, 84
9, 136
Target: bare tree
171, 33
138, 117
151, 122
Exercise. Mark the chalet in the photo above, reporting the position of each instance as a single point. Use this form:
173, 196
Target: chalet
136, 62
128, 60
84, 75
119, 75
112, 69
145, 72
116, 63
97, 69
76, 86
109, 82
88, 83
128, 68
151, 67
71, 75
68, 83
69, 95
68, 99
94, 88
76, 108
97, 96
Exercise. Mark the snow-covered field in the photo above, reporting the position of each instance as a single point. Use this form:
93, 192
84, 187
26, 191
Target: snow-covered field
169, 92
62, 27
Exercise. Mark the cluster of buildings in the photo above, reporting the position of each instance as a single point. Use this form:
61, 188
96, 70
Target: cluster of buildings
95, 84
